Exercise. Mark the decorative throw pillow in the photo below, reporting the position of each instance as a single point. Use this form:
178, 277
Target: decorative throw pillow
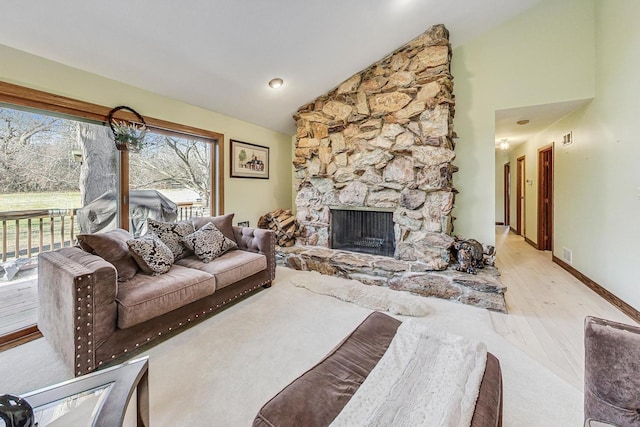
171, 234
151, 254
223, 223
209, 243
112, 247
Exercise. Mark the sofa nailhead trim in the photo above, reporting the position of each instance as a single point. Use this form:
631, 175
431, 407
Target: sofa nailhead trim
246, 291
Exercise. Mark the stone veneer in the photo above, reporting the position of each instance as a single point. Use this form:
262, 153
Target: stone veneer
384, 139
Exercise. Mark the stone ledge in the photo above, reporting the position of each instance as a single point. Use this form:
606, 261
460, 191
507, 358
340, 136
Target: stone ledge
483, 290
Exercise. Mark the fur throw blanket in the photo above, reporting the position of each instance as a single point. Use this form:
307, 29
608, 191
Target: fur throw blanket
425, 378
369, 296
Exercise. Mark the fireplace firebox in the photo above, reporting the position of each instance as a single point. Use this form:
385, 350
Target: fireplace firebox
369, 232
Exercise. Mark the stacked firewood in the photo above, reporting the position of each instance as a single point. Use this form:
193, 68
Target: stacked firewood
284, 223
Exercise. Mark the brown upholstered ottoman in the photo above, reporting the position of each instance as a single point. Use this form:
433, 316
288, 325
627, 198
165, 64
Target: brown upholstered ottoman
318, 395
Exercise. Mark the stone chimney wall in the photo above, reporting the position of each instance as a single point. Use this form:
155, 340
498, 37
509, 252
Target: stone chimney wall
383, 139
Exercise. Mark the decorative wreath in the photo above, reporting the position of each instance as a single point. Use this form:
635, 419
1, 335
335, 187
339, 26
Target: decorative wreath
127, 135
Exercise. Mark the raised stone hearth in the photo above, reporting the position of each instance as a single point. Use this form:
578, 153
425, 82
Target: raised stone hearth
482, 290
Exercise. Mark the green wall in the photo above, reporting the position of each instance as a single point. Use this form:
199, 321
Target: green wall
598, 184
596, 180
248, 198
544, 55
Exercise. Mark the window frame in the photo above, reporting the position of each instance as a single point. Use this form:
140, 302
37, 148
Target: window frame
33, 98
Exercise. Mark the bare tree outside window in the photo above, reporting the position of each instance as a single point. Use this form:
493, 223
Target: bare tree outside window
35, 153
178, 167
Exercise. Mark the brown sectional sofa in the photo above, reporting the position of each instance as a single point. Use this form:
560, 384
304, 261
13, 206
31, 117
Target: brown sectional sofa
92, 320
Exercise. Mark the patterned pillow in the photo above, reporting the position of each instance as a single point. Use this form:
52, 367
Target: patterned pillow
153, 256
171, 234
223, 223
209, 243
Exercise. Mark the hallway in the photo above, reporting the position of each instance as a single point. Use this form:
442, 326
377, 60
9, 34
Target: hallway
547, 307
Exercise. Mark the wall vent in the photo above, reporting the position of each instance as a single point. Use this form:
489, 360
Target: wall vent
567, 254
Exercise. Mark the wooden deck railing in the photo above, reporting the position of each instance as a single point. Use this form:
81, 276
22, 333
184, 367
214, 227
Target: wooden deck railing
187, 210
27, 233
34, 231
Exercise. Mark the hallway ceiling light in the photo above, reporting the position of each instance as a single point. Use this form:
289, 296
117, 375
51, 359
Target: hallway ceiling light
504, 145
276, 83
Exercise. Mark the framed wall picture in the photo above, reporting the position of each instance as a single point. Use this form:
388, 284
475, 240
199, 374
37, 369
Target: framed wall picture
249, 160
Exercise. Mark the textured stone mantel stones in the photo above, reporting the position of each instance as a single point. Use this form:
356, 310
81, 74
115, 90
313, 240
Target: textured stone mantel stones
384, 139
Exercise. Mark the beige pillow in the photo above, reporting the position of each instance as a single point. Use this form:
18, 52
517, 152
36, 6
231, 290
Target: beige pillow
112, 247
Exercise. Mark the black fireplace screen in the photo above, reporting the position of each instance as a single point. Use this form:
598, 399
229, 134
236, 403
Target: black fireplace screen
369, 232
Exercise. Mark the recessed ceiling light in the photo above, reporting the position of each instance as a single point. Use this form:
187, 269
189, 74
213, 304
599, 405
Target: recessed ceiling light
276, 83
522, 122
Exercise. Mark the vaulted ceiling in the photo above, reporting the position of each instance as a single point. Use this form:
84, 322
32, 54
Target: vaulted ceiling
220, 55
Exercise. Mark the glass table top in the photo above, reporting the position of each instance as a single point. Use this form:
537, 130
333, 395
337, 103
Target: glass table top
76, 410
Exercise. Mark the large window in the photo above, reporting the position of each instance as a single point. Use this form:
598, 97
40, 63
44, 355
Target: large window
60, 174
169, 168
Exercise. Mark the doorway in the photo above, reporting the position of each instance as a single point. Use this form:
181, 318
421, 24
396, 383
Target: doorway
545, 198
507, 194
520, 197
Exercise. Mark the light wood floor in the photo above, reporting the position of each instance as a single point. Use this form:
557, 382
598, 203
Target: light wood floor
547, 307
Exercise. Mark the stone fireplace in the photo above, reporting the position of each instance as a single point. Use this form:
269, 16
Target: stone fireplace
382, 142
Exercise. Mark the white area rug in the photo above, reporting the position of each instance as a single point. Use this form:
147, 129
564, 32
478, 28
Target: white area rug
221, 371
368, 296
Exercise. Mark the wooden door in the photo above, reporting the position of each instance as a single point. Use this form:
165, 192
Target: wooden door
507, 194
545, 198
520, 195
